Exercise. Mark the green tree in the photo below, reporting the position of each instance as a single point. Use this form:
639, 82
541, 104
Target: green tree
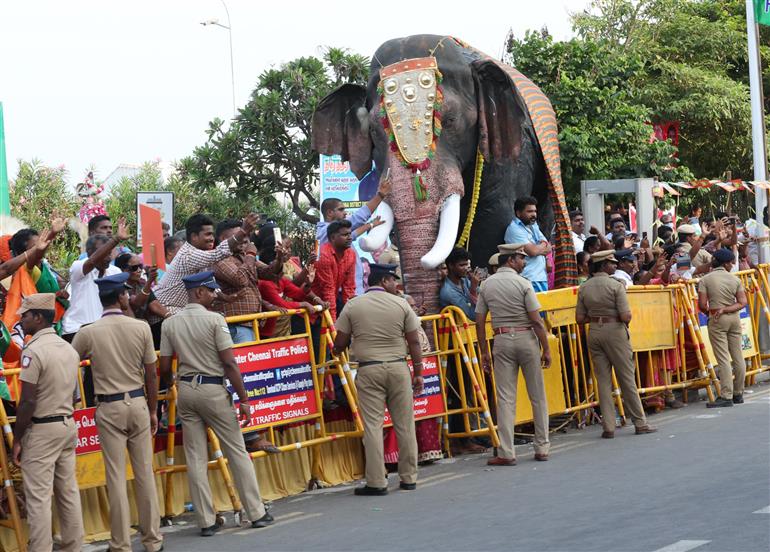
188, 200
266, 149
603, 128
695, 71
37, 195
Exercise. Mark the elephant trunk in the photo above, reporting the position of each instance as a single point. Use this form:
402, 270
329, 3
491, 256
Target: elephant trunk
427, 230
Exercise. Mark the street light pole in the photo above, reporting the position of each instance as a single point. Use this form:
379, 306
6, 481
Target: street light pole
229, 28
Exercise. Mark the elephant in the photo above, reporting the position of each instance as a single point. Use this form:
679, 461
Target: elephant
479, 119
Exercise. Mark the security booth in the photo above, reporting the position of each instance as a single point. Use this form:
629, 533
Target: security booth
592, 198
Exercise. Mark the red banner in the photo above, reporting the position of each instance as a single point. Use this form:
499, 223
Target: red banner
88, 436
278, 378
431, 403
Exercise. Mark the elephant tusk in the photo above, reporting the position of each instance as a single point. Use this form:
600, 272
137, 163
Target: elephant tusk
377, 237
449, 222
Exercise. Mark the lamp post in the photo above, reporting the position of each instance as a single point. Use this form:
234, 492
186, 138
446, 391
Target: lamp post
230, 35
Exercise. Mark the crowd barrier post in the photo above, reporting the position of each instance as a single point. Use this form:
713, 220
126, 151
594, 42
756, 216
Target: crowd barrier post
14, 520
763, 270
449, 333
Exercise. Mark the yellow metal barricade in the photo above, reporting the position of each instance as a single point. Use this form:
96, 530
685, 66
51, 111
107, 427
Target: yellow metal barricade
13, 521
255, 353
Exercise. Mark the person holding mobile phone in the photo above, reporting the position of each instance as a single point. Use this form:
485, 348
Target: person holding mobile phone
361, 221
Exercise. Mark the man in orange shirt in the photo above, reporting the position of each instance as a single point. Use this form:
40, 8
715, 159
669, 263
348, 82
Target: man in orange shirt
335, 276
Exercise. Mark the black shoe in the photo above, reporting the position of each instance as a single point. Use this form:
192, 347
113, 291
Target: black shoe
719, 403
210, 531
264, 521
366, 490
404, 486
738, 399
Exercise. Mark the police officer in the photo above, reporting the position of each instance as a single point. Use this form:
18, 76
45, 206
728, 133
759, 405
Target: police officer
378, 322
493, 263
124, 373
45, 435
722, 296
519, 338
603, 303
201, 340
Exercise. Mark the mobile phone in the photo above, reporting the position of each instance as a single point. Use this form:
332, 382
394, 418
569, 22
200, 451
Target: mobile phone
644, 235
387, 174
277, 235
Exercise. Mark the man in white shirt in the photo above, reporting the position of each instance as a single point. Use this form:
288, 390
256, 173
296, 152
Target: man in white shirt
578, 222
627, 266
85, 306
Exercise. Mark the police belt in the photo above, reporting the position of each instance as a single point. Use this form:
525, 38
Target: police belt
120, 396
49, 419
200, 378
373, 362
510, 329
603, 319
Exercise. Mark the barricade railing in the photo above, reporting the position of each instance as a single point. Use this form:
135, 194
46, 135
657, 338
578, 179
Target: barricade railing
763, 273
755, 284
447, 343
267, 360
663, 330
13, 521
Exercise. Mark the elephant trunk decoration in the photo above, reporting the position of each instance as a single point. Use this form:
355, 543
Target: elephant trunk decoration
460, 140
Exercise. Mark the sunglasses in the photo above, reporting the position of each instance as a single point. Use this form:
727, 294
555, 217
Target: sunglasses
134, 268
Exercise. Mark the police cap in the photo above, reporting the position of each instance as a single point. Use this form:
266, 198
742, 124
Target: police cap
115, 282
201, 279
384, 269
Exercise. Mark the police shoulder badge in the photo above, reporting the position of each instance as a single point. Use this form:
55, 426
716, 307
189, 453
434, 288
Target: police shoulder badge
26, 361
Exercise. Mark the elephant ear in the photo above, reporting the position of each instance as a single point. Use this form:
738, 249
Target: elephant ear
501, 113
340, 125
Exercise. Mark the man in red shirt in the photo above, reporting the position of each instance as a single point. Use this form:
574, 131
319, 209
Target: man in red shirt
335, 276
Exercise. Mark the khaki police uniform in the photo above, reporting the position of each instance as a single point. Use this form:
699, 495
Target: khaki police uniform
48, 445
603, 299
197, 335
119, 347
377, 323
509, 298
703, 256
725, 333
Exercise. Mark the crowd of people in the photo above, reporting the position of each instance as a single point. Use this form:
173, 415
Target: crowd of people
116, 308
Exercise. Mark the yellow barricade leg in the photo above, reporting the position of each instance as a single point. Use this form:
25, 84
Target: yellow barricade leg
14, 520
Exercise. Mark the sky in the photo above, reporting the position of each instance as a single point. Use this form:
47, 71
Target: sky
87, 82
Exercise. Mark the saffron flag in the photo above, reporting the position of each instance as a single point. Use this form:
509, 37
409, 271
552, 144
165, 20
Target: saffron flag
762, 11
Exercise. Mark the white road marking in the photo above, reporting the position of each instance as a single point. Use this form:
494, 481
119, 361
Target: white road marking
437, 476
297, 516
765, 510
442, 480
683, 546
